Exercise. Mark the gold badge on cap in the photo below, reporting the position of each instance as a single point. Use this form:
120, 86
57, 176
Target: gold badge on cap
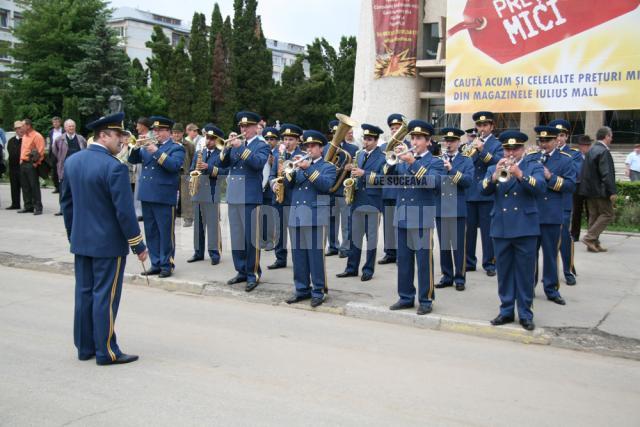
156, 124
483, 117
559, 127
417, 129
543, 133
450, 134
310, 139
244, 120
512, 141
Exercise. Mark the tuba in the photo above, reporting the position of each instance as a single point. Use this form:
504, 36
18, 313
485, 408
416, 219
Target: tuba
350, 184
398, 136
194, 177
333, 153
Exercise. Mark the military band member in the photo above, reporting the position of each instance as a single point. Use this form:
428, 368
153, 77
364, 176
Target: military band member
267, 212
340, 222
159, 184
566, 243
309, 216
560, 176
245, 161
206, 200
514, 183
101, 225
451, 210
488, 152
289, 149
367, 204
394, 121
415, 213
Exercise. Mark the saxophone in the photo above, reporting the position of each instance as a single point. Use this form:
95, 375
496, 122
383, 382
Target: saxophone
194, 176
351, 184
278, 183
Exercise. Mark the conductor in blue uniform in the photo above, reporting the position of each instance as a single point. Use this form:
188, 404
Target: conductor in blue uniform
451, 210
158, 188
245, 160
416, 174
367, 204
102, 227
514, 183
309, 184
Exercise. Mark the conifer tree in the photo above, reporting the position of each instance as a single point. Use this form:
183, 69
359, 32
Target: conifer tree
201, 69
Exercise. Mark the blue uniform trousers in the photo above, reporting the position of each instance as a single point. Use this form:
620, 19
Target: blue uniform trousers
566, 245
452, 235
415, 246
97, 297
207, 222
363, 224
267, 224
388, 215
340, 221
307, 253
245, 240
159, 229
549, 240
479, 215
282, 219
515, 266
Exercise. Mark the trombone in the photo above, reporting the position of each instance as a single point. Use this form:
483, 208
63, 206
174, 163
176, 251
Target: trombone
290, 167
393, 158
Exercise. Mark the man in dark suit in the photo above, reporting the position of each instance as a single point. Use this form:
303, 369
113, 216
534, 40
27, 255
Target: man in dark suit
101, 224
13, 150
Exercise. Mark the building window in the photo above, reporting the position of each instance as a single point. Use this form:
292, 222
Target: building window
4, 54
625, 125
575, 118
120, 31
4, 18
17, 19
506, 121
431, 39
175, 39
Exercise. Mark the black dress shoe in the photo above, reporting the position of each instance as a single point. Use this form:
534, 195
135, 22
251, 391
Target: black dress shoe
37, 212
84, 358
57, 214
276, 265
460, 287
317, 301
558, 300
151, 272
386, 260
501, 320
140, 218
527, 324
366, 277
123, 358
236, 279
215, 261
443, 285
296, 298
25, 211
571, 280
331, 252
343, 254
424, 309
491, 273
251, 286
195, 258
10, 208
164, 273
401, 305
470, 269
347, 274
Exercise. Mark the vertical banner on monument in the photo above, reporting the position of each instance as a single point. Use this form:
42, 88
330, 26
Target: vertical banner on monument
543, 55
395, 23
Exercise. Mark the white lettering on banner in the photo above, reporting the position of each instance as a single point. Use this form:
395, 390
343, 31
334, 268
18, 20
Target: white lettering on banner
525, 21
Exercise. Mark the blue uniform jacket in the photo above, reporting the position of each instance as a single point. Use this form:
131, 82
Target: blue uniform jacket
97, 205
267, 193
388, 192
310, 201
453, 186
489, 156
349, 148
274, 173
576, 156
368, 196
207, 187
515, 211
245, 165
561, 184
416, 198
160, 177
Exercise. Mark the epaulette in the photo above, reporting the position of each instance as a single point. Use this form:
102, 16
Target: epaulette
532, 151
566, 154
575, 149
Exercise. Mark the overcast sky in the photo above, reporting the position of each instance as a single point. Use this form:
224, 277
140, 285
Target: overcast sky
294, 21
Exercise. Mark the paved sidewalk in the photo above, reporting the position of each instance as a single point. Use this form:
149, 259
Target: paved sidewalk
605, 301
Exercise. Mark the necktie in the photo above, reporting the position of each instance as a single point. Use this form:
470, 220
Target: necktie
366, 157
545, 157
206, 159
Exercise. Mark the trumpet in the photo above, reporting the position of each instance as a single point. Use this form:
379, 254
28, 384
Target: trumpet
393, 158
290, 166
144, 142
504, 175
222, 145
471, 148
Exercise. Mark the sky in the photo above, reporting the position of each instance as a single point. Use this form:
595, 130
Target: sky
293, 21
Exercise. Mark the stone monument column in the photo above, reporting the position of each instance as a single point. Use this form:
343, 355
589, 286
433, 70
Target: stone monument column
374, 99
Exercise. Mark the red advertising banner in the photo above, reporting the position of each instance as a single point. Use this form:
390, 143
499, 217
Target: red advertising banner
395, 23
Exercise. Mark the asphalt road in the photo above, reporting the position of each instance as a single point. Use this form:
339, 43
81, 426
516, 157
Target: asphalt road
215, 361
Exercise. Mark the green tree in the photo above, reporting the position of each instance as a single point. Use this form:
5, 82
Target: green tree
220, 83
138, 75
344, 73
159, 61
7, 111
215, 28
104, 68
71, 110
180, 85
201, 69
